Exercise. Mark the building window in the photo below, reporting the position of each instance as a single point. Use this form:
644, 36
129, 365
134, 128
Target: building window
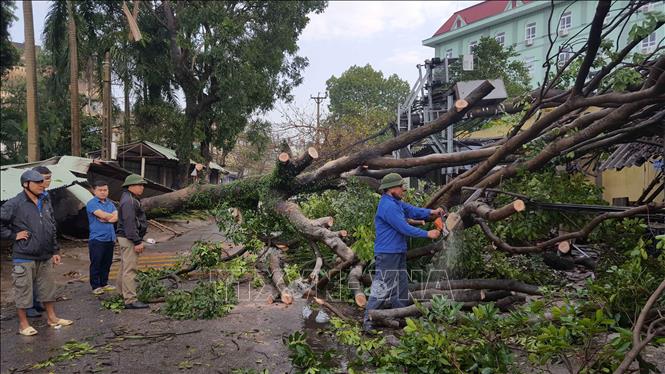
564, 55
565, 23
449, 53
530, 33
500, 38
649, 43
472, 46
530, 63
458, 23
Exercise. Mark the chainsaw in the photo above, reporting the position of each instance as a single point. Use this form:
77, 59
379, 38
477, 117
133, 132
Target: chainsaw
440, 223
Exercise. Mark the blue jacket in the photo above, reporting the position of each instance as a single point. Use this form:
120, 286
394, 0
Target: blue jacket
391, 226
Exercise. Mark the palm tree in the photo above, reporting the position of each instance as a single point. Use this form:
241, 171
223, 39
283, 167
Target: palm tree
31, 82
73, 82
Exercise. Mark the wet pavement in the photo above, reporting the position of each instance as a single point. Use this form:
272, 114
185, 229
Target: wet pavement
135, 341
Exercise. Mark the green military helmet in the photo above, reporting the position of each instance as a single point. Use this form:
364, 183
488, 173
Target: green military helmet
391, 180
133, 179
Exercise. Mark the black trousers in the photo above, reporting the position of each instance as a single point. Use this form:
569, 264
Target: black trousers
101, 256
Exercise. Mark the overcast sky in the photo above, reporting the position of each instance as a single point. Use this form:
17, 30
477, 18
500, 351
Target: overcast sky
386, 34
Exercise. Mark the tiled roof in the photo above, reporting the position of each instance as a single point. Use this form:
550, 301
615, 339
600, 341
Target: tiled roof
476, 13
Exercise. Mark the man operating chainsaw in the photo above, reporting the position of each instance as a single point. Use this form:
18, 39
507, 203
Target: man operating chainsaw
390, 287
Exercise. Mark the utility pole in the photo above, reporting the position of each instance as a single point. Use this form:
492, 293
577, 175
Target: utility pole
318, 99
106, 108
31, 83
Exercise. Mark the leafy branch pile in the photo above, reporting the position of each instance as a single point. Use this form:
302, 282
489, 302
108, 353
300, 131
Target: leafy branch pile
581, 331
207, 300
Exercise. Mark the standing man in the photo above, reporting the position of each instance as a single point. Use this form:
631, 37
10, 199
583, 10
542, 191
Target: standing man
37, 307
101, 216
390, 287
132, 226
28, 220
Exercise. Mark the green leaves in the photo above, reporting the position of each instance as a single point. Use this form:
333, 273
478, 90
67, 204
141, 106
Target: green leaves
114, 303
206, 301
362, 101
149, 286
71, 350
353, 210
492, 61
303, 357
360, 89
9, 55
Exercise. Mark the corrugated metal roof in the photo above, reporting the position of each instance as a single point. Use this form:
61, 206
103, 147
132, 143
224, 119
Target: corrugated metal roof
216, 166
47, 162
10, 180
167, 152
75, 164
634, 154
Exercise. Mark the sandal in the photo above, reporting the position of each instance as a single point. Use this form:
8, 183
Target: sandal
28, 331
61, 322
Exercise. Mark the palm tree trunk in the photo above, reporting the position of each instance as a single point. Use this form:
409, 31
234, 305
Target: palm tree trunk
74, 82
126, 124
31, 83
89, 85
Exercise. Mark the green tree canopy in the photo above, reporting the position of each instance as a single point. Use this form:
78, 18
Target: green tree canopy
365, 92
8, 54
231, 57
492, 61
362, 101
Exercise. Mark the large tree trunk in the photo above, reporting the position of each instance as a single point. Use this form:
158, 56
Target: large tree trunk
31, 83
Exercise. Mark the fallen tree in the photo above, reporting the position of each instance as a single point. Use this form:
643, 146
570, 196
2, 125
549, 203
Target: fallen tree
581, 122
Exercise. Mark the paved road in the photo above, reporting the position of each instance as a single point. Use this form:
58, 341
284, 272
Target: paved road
249, 337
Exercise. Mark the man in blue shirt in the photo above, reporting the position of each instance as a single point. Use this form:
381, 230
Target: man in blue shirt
101, 216
390, 286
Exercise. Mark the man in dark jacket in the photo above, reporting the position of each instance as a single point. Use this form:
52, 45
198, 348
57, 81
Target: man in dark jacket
390, 286
28, 220
132, 226
37, 307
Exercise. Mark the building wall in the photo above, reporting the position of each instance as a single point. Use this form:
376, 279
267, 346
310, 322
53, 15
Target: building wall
629, 182
513, 23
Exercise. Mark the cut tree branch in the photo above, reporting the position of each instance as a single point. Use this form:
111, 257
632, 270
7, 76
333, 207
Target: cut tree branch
335, 167
292, 212
478, 284
356, 286
277, 275
583, 233
653, 331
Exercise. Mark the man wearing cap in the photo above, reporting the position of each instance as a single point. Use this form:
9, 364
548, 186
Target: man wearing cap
28, 221
37, 307
132, 226
390, 287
